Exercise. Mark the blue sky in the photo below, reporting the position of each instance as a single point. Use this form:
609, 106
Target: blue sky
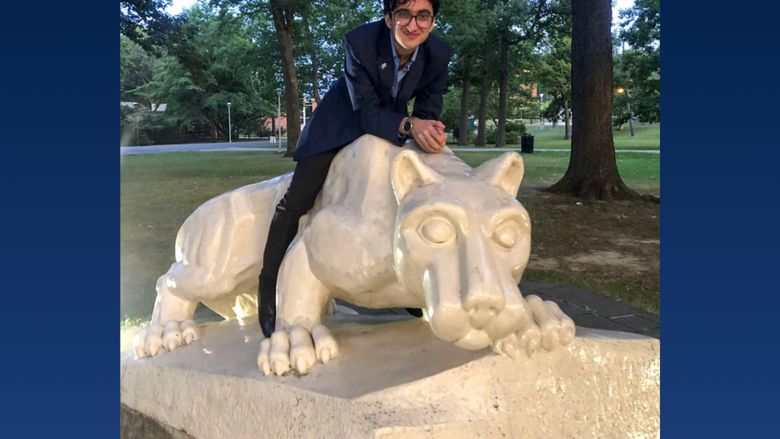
180, 5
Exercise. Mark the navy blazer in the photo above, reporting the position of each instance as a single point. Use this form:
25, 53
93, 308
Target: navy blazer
361, 101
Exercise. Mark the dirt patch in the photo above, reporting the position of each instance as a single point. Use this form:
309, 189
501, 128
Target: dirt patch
612, 247
543, 264
601, 258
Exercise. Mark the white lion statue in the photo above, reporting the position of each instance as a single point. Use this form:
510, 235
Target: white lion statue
392, 227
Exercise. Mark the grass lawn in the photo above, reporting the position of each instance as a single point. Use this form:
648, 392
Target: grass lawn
609, 247
646, 137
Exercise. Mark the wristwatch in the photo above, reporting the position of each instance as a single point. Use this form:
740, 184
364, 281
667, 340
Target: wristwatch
407, 126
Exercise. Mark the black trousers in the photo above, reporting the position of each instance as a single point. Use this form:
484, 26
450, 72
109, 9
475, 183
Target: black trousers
309, 176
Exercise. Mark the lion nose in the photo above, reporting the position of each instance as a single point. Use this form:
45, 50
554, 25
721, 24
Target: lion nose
483, 304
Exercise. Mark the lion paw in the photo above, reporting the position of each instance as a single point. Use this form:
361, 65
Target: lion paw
545, 326
296, 348
557, 329
158, 339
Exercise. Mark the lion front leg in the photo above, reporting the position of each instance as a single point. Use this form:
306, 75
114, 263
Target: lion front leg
171, 326
300, 339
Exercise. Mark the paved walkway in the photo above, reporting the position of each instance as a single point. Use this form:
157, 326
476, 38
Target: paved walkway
587, 308
260, 145
266, 146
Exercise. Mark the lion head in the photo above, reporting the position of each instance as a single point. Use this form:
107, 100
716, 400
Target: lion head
462, 242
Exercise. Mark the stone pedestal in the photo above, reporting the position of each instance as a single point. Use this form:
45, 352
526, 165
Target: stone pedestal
395, 379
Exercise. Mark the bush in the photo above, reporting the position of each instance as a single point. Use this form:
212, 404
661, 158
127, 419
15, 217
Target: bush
470, 136
513, 132
491, 136
515, 127
512, 138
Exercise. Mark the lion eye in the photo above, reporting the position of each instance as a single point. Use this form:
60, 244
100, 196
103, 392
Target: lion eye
437, 231
506, 235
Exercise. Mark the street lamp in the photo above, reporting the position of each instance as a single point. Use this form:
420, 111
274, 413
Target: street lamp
303, 122
230, 129
279, 116
630, 114
541, 115
137, 116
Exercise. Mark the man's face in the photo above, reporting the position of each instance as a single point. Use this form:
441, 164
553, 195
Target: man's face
409, 32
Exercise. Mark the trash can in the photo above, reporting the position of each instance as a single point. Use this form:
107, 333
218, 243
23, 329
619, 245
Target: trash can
527, 144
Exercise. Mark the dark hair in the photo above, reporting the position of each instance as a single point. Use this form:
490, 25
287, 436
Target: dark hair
390, 5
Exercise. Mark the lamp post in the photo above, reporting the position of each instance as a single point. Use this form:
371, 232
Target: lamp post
279, 116
230, 128
541, 115
303, 121
630, 114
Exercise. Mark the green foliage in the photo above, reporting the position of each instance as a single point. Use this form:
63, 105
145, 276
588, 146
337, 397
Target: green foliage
136, 69
450, 115
145, 22
640, 66
139, 126
515, 128
216, 63
491, 136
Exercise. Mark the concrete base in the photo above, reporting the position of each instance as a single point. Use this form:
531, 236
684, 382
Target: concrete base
395, 379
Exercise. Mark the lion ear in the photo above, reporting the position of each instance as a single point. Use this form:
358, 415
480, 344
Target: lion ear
505, 171
408, 172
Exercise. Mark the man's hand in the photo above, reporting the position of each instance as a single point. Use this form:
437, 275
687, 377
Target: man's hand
429, 134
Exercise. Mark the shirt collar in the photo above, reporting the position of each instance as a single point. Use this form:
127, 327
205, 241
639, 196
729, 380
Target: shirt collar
395, 54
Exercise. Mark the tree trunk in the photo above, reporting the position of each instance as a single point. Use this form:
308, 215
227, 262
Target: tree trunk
463, 137
284, 22
566, 117
592, 172
503, 82
483, 94
315, 63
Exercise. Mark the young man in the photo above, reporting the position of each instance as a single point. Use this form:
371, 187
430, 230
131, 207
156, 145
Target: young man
388, 63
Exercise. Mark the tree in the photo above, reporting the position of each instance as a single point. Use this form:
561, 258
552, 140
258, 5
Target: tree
484, 83
552, 69
621, 105
464, 25
592, 172
136, 69
519, 22
554, 74
146, 23
641, 64
318, 40
293, 37
214, 63
283, 12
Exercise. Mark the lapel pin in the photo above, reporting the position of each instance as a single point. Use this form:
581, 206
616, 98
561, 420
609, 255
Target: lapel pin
384, 65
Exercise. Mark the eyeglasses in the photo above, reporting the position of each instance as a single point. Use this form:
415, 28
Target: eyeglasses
424, 19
